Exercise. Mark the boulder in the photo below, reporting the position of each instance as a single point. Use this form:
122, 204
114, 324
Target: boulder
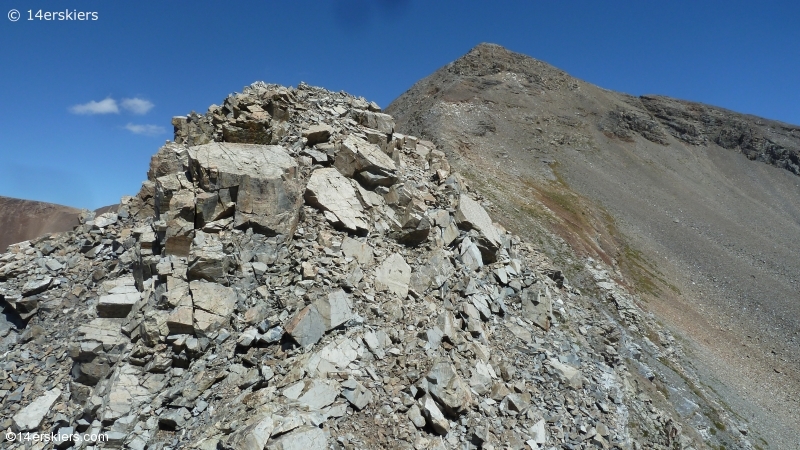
307, 327
470, 215
357, 158
263, 177
316, 134
329, 191
537, 308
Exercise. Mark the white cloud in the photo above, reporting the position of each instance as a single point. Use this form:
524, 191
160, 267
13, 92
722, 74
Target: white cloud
137, 105
107, 106
147, 130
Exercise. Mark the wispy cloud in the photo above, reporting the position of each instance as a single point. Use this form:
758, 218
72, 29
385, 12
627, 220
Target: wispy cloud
106, 106
146, 130
137, 105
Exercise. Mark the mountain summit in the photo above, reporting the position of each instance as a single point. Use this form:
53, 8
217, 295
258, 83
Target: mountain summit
696, 207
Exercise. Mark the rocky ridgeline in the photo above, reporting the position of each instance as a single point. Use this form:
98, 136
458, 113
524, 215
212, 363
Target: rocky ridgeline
296, 275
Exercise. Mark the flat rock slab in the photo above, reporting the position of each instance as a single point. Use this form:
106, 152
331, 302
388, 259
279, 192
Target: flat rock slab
360, 251
108, 331
393, 275
269, 196
34, 287
520, 332
117, 305
307, 327
335, 309
319, 394
329, 191
30, 417
355, 393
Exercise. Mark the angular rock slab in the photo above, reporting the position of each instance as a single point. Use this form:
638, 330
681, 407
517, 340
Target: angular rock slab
434, 273
393, 275
307, 327
537, 308
356, 156
316, 134
264, 177
448, 388
355, 393
568, 374
117, 305
30, 417
329, 191
470, 215
213, 305
335, 309
34, 287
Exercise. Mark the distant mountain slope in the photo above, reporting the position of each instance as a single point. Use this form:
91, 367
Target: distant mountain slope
21, 220
698, 207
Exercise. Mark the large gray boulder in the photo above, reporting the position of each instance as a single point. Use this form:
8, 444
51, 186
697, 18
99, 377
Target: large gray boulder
263, 179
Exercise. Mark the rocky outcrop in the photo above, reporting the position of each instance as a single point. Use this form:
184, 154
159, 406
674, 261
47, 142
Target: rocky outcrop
307, 288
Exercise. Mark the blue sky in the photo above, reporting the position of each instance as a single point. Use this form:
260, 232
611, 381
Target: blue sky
143, 62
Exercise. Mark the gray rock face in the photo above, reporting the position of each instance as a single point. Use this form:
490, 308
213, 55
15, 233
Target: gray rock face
329, 191
30, 417
268, 195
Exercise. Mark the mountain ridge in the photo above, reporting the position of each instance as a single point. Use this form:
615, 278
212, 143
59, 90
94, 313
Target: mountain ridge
682, 198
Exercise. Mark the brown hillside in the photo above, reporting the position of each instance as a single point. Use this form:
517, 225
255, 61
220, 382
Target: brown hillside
21, 220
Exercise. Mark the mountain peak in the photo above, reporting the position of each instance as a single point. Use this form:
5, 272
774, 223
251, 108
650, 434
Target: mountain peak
491, 59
